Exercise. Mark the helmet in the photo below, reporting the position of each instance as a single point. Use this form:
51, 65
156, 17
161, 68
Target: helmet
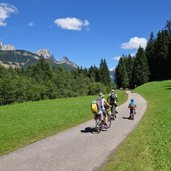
132, 100
101, 94
113, 90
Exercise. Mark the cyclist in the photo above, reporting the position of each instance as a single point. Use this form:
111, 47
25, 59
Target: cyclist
113, 99
103, 104
132, 107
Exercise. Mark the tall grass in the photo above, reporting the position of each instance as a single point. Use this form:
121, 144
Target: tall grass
21, 124
148, 148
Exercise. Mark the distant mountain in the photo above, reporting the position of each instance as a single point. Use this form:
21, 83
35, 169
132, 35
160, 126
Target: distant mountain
6, 47
47, 55
10, 57
17, 58
112, 75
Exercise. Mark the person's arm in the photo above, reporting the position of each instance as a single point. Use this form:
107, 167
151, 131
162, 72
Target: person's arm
116, 97
106, 103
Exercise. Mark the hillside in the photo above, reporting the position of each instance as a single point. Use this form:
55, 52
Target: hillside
23, 58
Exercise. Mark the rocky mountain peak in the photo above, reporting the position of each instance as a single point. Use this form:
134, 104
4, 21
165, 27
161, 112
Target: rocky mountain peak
65, 60
6, 47
44, 52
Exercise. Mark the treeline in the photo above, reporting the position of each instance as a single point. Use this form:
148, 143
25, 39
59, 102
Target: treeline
150, 64
41, 81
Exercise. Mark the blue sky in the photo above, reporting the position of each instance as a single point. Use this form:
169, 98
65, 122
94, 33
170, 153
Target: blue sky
83, 30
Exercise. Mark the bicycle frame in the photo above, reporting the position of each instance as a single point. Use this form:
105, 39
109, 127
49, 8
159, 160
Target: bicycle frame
132, 113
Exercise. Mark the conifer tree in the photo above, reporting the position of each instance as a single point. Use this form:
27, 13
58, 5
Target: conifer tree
151, 57
121, 75
141, 69
104, 73
162, 52
129, 62
168, 29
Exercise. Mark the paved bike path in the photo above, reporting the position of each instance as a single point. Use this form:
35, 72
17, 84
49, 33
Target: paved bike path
76, 149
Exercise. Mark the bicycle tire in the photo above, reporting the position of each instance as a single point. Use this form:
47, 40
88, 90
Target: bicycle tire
98, 125
113, 112
132, 114
109, 122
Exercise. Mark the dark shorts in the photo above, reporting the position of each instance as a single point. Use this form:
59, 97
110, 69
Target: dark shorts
113, 104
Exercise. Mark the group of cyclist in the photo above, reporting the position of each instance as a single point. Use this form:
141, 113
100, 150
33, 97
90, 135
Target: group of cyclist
104, 104
111, 103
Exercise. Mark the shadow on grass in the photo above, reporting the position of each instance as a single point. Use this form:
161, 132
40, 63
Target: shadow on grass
168, 87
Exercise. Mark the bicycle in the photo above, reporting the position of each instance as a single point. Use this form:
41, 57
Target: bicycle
113, 112
100, 123
132, 113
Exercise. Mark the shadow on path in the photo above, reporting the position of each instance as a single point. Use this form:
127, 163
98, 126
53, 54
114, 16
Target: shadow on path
126, 118
91, 130
88, 130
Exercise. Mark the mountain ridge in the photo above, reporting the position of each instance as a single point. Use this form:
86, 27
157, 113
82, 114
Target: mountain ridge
17, 58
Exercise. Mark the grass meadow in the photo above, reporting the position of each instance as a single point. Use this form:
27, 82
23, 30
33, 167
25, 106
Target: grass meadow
148, 148
24, 123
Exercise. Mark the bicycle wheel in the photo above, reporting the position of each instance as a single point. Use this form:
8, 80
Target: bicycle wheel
109, 120
113, 113
132, 114
98, 125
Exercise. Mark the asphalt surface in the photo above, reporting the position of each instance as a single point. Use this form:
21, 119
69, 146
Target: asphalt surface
76, 149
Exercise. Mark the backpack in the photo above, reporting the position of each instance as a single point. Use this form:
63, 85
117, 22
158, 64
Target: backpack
94, 106
112, 98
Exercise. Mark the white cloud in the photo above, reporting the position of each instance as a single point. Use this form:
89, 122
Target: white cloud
112, 69
5, 11
116, 58
134, 43
86, 23
71, 23
31, 24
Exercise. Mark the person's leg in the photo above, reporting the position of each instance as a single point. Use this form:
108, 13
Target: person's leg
116, 108
129, 114
105, 118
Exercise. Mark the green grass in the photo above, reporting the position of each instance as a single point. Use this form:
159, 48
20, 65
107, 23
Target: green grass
24, 123
148, 148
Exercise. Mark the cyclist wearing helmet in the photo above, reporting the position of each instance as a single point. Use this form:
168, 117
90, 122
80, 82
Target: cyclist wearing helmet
102, 103
113, 99
132, 107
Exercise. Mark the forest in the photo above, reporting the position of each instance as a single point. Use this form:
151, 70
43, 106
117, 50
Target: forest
41, 81
150, 64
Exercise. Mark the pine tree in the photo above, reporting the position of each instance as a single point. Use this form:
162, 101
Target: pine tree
151, 57
129, 62
141, 69
93, 74
168, 29
162, 52
104, 73
121, 75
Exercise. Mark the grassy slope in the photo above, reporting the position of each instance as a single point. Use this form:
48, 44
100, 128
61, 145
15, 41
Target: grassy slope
148, 148
21, 124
